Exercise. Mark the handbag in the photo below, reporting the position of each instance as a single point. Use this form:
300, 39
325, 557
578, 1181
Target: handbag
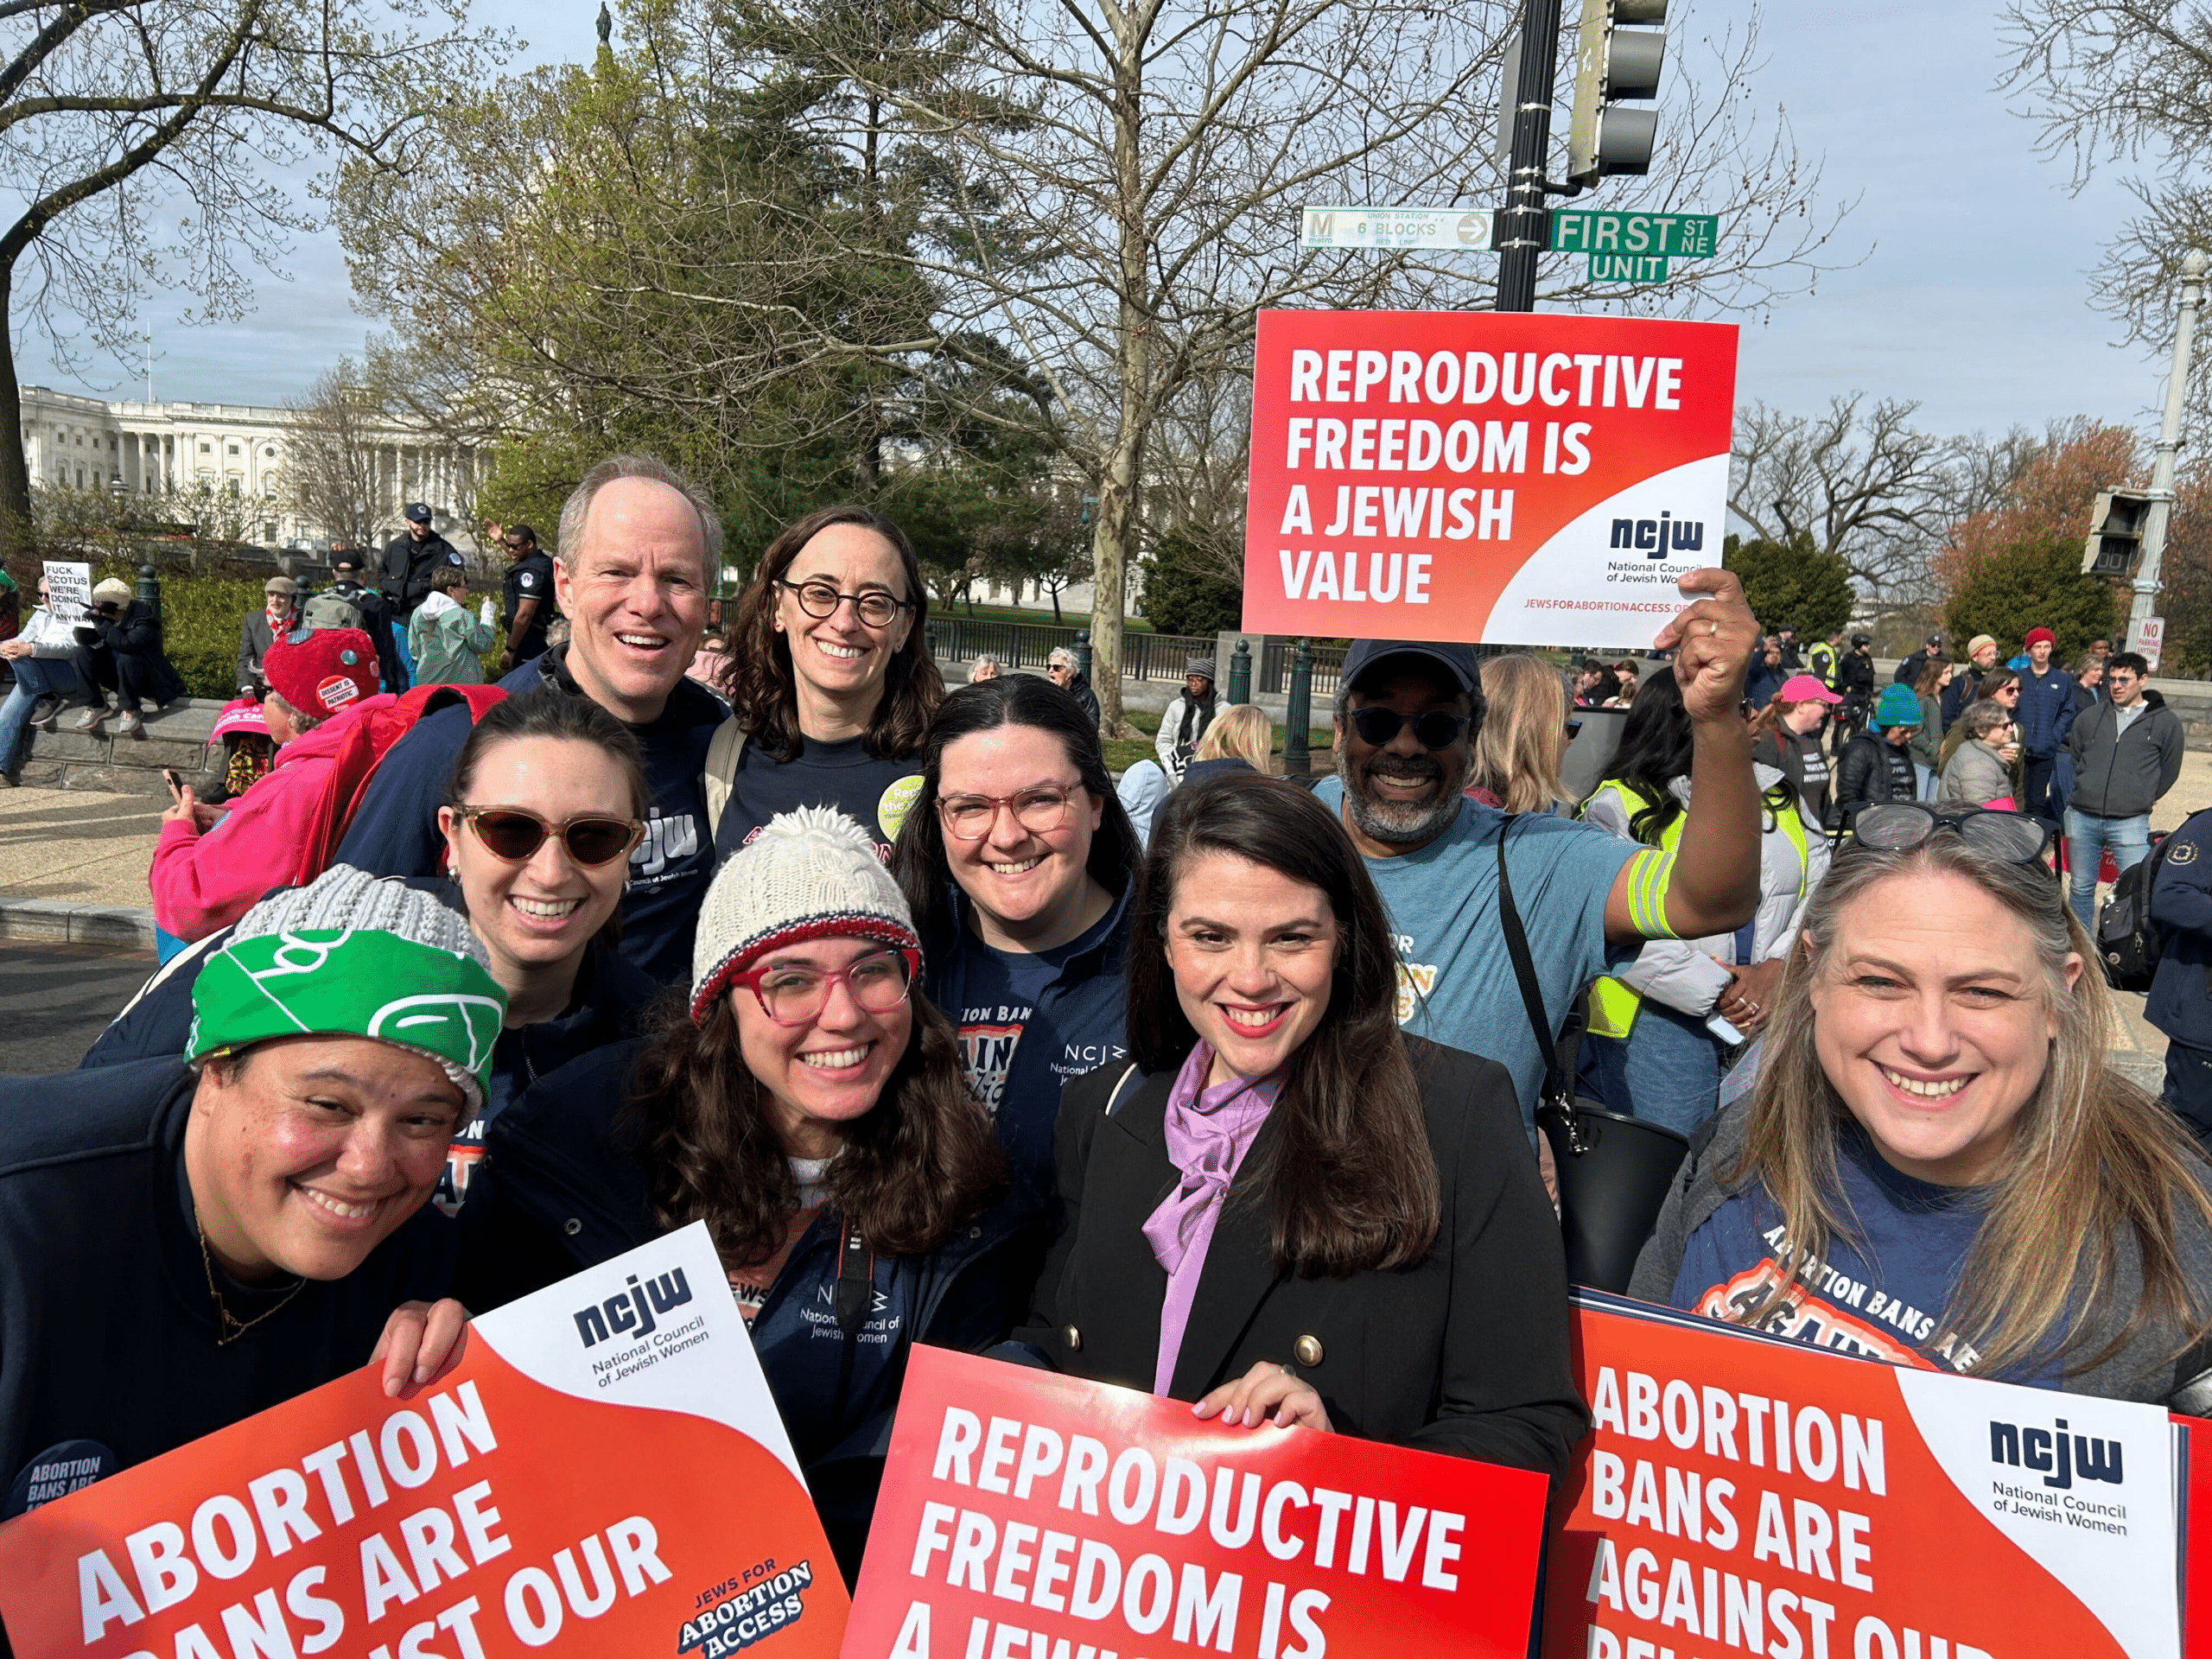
1613, 1171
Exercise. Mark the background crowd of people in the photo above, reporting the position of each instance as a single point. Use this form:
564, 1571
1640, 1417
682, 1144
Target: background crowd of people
1202, 1082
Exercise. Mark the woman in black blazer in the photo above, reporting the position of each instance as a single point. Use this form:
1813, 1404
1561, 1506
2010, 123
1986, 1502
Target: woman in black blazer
1333, 1224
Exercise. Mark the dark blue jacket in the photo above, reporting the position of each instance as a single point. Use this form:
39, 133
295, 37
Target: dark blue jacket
2046, 711
561, 1187
107, 1328
1760, 684
1079, 1023
2180, 1002
395, 832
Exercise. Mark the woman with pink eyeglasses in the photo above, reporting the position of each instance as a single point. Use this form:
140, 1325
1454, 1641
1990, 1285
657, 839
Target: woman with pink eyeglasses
808, 1105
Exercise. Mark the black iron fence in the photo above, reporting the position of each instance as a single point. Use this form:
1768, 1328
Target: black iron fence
1023, 645
1274, 668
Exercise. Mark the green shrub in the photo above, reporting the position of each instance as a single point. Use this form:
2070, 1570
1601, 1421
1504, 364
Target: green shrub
2033, 584
1791, 585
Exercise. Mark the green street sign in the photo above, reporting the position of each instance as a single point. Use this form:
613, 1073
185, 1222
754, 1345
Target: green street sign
1681, 236
1627, 268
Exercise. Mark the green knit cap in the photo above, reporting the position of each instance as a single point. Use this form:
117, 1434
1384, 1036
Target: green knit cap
350, 955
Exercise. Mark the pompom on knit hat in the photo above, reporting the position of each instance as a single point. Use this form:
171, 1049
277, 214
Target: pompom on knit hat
813, 873
354, 954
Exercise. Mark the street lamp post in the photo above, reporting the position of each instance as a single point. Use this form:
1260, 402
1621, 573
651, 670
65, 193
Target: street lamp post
2193, 267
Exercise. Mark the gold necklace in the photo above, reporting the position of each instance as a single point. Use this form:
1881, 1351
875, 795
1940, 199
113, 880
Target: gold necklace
228, 1326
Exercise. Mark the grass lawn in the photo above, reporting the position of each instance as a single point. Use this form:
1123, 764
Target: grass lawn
1122, 752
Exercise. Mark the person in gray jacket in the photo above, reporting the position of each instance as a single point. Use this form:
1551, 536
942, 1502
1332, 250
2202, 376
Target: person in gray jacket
1936, 1168
2127, 750
1980, 770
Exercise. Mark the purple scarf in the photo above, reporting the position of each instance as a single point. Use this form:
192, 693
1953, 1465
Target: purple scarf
1209, 1131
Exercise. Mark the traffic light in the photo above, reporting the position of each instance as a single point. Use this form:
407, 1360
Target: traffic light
2116, 524
1611, 63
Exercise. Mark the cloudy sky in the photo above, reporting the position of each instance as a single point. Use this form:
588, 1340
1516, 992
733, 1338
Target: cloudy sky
1969, 290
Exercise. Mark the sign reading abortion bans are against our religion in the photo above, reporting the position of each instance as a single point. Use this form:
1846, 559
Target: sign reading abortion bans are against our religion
604, 1472
1491, 476
1741, 1494
1029, 1516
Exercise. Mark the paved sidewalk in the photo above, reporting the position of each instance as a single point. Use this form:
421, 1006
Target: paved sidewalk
73, 846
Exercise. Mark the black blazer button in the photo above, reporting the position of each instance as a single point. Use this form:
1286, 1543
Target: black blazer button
1307, 1349
572, 1226
1073, 1338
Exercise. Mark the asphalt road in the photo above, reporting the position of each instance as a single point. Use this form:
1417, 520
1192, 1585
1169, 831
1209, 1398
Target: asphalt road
54, 1000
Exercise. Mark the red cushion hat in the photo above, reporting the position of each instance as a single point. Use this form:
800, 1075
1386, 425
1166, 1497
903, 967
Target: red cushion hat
2043, 635
320, 672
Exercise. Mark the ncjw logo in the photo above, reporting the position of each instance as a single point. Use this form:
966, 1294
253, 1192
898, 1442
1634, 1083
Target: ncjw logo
666, 840
2055, 1455
634, 1312
1655, 537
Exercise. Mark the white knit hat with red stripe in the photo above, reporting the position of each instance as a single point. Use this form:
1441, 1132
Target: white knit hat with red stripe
813, 873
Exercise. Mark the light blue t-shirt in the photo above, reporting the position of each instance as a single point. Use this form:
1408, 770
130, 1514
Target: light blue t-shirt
1455, 984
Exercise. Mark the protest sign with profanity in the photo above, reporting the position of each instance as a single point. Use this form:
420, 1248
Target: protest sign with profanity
68, 589
1503, 477
604, 1472
1751, 1494
1029, 1516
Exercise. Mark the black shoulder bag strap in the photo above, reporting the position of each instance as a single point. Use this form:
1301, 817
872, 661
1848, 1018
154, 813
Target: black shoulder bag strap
1558, 1096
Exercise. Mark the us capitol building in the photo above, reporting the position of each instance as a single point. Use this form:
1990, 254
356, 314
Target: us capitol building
146, 447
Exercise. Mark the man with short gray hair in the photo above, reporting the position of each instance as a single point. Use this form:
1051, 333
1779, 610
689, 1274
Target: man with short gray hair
638, 546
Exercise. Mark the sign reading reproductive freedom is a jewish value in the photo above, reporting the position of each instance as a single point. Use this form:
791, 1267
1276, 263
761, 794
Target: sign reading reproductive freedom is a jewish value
1505, 477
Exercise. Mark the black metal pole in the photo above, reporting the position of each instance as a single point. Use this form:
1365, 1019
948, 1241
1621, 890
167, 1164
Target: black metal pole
1528, 220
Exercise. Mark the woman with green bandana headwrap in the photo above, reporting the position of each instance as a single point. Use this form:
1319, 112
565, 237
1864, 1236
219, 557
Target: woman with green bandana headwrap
184, 1242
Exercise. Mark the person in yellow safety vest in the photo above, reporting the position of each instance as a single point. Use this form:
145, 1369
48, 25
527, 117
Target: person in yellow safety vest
1652, 1051
1820, 658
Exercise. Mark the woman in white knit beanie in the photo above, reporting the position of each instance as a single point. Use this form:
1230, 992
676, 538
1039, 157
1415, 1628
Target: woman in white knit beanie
813, 1112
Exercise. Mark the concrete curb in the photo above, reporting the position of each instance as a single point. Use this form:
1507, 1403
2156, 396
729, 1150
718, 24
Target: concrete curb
50, 921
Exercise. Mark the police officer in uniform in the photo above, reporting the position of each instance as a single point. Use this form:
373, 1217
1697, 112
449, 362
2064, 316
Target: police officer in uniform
1854, 679
527, 595
2180, 1002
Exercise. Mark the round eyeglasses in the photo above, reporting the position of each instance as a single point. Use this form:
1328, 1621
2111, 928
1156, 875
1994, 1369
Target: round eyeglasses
819, 599
969, 817
514, 834
1436, 729
793, 994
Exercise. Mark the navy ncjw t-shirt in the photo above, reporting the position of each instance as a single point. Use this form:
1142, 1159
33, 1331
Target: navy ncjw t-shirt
875, 793
1883, 1288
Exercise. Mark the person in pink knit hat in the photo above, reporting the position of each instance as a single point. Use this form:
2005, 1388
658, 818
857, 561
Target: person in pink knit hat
211, 863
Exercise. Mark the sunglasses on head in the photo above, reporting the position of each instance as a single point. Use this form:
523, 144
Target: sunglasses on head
1437, 729
591, 839
1894, 826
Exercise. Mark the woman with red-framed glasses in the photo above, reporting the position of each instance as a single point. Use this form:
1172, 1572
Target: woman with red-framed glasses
808, 1105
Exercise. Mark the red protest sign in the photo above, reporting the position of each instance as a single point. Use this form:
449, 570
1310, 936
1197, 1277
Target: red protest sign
1507, 477
1765, 1496
1027, 1514
604, 1472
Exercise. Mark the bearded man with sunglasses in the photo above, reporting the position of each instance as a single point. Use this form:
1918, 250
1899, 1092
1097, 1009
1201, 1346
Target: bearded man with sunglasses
1406, 718
637, 548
